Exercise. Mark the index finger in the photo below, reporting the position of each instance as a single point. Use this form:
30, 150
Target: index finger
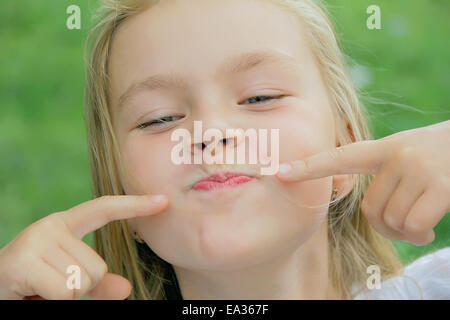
94, 214
359, 157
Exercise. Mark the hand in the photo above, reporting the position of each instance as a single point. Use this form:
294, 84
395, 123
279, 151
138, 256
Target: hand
34, 264
411, 190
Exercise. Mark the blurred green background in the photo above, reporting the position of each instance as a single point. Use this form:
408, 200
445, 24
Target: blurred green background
404, 68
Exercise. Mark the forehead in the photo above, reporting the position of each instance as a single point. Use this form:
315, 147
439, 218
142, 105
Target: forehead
197, 37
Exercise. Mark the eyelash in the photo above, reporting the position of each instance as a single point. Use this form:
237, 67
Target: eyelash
269, 98
158, 122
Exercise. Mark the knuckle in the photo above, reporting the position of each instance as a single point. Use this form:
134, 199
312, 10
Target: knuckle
100, 200
413, 226
31, 236
406, 152
60, 221
100, 271
40, 231
404, 156
391, 220
306, 164
102, 203
425, 168
48, 225
336, 152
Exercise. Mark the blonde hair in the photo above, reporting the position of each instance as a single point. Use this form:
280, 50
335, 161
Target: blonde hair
353, 244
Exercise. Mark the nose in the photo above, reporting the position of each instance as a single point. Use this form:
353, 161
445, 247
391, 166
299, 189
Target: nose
229, 142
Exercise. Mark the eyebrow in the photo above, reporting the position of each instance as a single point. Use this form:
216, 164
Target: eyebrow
233, 65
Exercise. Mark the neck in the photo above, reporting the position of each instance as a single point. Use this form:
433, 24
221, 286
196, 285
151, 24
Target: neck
301, 274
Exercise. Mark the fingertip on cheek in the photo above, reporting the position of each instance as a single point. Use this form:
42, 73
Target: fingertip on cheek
156, 204
284, 170
160, 202
158, 199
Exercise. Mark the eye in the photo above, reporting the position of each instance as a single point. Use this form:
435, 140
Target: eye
161, 122
261, 99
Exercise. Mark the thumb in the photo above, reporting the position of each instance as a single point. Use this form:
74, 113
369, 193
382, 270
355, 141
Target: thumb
111, 287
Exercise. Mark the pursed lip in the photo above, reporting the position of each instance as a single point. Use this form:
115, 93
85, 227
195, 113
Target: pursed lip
221, 180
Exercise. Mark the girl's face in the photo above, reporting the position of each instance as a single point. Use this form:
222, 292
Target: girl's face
204, 45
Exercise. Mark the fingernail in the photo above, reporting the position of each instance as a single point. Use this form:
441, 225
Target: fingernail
158, 198
284, 168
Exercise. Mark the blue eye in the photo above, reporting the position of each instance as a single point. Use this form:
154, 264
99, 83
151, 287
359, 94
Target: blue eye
258, 99
159, 122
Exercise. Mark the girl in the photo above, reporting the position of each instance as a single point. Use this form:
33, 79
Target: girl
156, 66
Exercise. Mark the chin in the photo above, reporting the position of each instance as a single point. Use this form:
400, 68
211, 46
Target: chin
225, 246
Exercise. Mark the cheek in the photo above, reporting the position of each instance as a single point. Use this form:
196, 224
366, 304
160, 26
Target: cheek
306, 131
149, 166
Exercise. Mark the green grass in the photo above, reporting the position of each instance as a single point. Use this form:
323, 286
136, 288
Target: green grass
43, 158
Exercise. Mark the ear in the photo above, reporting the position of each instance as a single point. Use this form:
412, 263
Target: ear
344, 183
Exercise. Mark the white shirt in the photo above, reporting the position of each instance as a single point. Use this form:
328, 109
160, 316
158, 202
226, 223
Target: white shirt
426, 278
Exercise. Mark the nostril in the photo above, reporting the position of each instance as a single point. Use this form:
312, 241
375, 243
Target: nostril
224, 141
230, 141
197, 146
